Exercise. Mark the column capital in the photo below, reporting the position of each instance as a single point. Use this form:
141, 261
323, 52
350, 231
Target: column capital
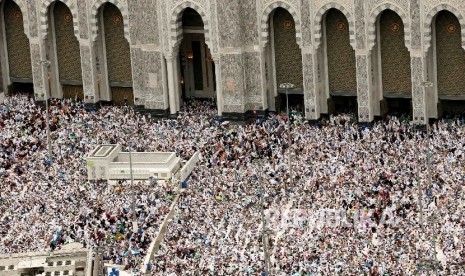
361, 52
170, 56
216, 57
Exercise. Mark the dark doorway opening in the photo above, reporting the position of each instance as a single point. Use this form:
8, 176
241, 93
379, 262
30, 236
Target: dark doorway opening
21, 88
345, 104
295, 103
399, 106
453, 108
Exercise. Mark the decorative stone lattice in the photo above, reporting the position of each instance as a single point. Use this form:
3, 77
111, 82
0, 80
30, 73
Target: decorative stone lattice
293, 3
415, 25
37, 70
264, 21
175, 22
311, 109
372, 4
362, 81
418, 96
429, 20
88, 83
214, 27
83, 25
203, 4
360, 25
319, 21
372, 23
45, 10
95, 12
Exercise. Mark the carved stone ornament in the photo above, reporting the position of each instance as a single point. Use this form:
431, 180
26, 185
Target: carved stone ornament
68, 17
451, 28
18, 16
288, 25
117, 20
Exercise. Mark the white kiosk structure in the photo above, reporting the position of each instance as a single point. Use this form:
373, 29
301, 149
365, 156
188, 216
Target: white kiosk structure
107, 162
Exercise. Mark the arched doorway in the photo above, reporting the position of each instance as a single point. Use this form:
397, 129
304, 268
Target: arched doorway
63, 53
15, 53
446, 63
196, 70
283, 63
337, 64
114, 72
391, 66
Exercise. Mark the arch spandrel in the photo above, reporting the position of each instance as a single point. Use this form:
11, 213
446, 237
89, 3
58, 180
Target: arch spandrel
95, 11
319, 21
25, 15
264, 28
373, 17
429, 20
175, 23
45, 11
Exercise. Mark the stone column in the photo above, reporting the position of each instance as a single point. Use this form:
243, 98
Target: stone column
418, 64
363, 65
170, 59
177, 89
91, 81
310, 83
164, 72
39, 71
219, 87
364, 91
263, 80
420, 93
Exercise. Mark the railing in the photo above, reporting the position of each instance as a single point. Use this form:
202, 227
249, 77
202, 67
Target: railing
155, 245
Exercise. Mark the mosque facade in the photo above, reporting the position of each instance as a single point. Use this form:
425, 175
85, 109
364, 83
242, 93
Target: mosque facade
370, 55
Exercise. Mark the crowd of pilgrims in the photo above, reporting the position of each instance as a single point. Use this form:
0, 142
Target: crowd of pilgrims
359, 200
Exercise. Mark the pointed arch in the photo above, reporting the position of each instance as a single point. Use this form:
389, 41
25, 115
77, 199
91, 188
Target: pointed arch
429, 20
374, 16
319, 21
24, 11
94, 17
45, 9
266, 14
176, 23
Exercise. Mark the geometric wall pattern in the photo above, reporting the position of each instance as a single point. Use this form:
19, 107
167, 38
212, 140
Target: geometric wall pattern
288, 56
395, 57
450, 55
19, 53
341, 57
67, 45
117, 47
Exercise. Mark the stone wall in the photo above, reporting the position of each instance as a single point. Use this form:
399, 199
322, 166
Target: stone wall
450, 55
237, 33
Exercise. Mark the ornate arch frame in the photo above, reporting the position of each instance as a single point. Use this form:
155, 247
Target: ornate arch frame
319, 21
95, 11
44, 12
24, 13
429, 21
175, 23
374, 17
264, 28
